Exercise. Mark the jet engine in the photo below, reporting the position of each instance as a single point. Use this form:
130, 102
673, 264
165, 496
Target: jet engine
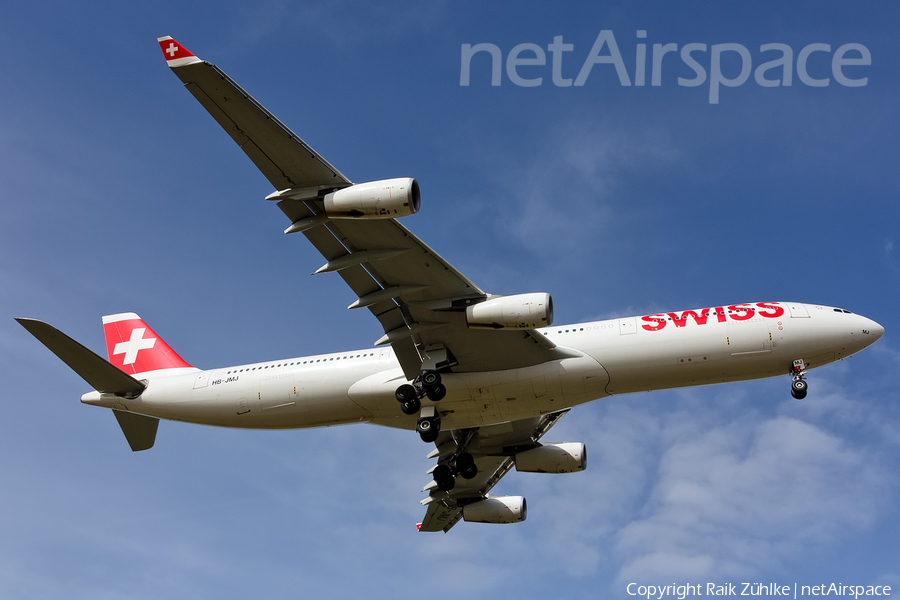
496, 509
384, 199
522, 311
553, 458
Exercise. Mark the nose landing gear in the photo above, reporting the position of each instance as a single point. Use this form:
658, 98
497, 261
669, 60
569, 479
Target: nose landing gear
799, 386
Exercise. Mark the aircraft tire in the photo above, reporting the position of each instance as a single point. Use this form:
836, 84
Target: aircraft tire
428, 429
799, 389
430, 436
405, 393
424, 425
443, 476
431, 379
410, 407
465, 465
436, 393
464, 460
446, 485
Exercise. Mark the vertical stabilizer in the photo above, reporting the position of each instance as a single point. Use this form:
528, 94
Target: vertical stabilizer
135, 348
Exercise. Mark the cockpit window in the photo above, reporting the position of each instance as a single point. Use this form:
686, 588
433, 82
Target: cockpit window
841, 310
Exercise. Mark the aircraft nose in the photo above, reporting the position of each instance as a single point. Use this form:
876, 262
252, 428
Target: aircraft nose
874, 329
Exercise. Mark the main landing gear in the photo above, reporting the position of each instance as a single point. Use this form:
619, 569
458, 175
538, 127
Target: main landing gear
445, 475
799, 386
428, 428
429, 385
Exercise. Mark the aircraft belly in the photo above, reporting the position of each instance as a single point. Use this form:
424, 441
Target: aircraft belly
499, 396
326, 402
487, 398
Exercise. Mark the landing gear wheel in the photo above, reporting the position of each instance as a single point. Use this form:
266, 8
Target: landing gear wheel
443, 476
446, 484
436, 393
799, 389
430, 379
465, 465
405, 393
425, 426
411, 407
429, 437
428, 429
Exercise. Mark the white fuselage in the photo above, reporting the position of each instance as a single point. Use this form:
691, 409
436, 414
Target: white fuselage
633, 354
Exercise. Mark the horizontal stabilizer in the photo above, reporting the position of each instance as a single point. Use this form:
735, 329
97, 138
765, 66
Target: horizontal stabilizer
140, 431
96, 370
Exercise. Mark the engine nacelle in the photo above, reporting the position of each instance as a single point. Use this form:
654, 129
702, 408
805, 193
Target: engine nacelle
375, 200
553, 458
496, 509
522, 311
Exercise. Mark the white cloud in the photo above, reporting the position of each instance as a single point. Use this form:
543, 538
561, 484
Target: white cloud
746, 496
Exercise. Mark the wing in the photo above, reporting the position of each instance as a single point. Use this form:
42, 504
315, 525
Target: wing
418, 297
283, 158
493, 448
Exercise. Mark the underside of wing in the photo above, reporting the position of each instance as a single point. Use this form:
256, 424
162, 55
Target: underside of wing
419, 298
493, 449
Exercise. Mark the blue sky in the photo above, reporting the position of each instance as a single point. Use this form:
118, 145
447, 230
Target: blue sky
121, 194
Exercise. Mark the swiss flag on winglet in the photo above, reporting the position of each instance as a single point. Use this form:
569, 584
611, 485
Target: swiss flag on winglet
135, 348
176, 54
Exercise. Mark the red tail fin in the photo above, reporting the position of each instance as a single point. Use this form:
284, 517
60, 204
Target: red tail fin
135, 348
176, 54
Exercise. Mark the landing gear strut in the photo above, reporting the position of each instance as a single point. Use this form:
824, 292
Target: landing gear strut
799, 386
429, 385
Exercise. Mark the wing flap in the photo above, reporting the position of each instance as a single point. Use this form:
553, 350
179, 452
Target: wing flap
439, 517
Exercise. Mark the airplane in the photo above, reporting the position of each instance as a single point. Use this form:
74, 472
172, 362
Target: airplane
483, 377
